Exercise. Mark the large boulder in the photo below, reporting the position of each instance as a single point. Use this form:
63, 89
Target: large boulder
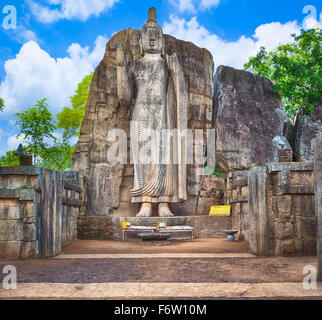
247, 116
307, 127
109, 185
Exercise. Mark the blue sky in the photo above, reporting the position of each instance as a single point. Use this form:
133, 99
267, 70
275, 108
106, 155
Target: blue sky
58, 42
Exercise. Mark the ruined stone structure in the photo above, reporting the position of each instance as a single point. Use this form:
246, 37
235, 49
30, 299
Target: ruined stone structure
237, 197
38, 211
109, 185
273, 208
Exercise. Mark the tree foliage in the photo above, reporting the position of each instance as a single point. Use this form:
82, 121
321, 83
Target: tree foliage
9, 160
71, 118
1, 104
295, 68
37, 125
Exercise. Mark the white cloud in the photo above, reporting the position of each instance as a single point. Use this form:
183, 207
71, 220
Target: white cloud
231, 53
192, 6
34, 75
69, 9
13, 142
311, 23
206, 4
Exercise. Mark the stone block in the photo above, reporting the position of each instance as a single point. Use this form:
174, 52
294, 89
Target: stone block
283, 206
30, 210
285, 248
29, 250
236, 210
27, 195
10, 213
283, 230
11, 230
204, 205
303, 205
283, 178
29, 232
302, 178
10, 249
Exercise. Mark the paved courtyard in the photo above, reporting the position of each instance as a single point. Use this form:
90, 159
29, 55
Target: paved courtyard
205, 268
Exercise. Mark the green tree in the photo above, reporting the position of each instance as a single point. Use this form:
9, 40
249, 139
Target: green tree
9, 160
296, 70
1, 105
37, 125
57, 157
71, 118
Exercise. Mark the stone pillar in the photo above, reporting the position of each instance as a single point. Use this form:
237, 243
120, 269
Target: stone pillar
318, 200
260, 232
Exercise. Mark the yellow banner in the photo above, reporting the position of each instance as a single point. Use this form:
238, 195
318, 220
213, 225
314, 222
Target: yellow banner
220, 211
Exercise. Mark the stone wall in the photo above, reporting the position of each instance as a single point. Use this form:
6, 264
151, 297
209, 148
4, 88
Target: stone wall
282, 219
109, 228
237, 197
38, 210
273, 208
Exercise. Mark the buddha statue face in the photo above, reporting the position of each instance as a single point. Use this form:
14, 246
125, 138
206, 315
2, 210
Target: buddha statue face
152, 40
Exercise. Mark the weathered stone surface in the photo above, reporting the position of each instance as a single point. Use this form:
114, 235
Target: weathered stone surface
247, 116
29, 232
10, 212
10, 249
306, 129
318, 199
32, 221
11, 230
261, 226
104, 113
29, 250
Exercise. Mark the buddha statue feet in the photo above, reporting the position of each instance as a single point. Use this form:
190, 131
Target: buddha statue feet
164, 210
146, 210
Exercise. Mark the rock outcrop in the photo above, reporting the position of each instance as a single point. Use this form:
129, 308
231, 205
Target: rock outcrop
109, 185
307, 128
247, 116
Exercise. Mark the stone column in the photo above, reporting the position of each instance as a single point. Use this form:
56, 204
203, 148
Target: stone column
318, 200
260, 224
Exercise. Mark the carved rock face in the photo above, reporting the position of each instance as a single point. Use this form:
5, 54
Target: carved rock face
109, 185
151, 40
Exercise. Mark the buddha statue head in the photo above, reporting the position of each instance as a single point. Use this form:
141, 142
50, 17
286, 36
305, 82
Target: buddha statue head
151, 35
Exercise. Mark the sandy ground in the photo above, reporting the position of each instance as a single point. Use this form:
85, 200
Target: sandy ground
89, 269
197, 246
